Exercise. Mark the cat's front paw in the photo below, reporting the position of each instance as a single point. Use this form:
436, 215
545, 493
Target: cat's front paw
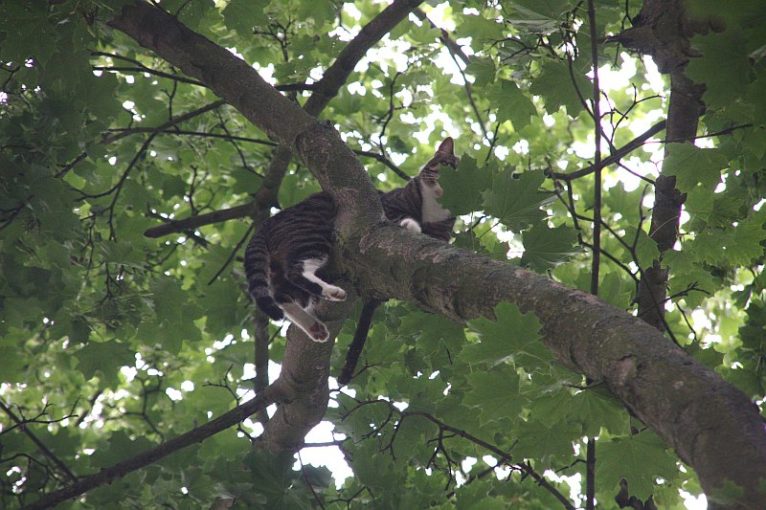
411, 225
318, 332
333, 293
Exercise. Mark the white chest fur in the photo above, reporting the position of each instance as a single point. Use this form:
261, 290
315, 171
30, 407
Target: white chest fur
432, 211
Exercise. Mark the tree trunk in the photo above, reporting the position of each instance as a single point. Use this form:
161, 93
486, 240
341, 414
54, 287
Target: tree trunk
662, 30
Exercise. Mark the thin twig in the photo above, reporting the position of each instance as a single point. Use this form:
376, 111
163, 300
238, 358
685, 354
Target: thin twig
22, 424
614, 157
143, 459
590, 470
172, 122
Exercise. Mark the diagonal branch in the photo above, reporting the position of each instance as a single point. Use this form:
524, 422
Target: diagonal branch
324, 90
337, 74
272, 394
167, 125
615, 157
40, 445
316, 144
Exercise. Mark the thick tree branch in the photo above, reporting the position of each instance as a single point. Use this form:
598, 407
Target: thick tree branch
243, 88
337, 74
663, 30
688, 405
306, 367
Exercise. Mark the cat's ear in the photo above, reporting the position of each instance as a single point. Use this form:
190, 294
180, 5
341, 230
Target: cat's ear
447, 147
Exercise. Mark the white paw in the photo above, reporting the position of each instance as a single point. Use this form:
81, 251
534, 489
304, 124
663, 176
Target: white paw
411, 225
333, 293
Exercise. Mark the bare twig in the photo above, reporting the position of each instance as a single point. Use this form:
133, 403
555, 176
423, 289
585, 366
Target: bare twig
614, 157
22, 425
590, 469
172, 122
143, 459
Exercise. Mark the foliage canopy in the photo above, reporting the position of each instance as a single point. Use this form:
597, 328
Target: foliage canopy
112, 342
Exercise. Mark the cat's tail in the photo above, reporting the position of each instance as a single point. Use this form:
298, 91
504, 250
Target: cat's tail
257, 271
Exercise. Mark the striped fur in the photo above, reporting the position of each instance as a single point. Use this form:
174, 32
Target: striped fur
283, 257
414, 207
417, 200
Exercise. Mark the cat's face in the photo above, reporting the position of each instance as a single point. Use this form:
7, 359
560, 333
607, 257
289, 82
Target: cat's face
445, 155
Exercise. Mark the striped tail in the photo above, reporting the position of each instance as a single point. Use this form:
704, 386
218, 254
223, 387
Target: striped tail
257, 271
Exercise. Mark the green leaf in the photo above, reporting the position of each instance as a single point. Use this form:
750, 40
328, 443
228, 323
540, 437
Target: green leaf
463, 186
546, 247
481, 28
546, 439
692, 165
646, 249
320, 10
513, 104
594, 409
119, 448
271, 473
554, 85
723, 67
245, 15
317, 476
495, 394
538, 10
482, 69
104, 358
12, 363
501, 339
616, 290
176, 313
516, 199
639, 459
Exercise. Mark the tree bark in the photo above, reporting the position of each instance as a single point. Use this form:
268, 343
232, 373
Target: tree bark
711, 425
663, 30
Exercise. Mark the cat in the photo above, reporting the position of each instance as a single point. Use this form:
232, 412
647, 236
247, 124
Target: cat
416, 208
284, 256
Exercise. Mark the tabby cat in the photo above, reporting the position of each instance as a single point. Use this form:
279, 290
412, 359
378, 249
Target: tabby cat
284, 256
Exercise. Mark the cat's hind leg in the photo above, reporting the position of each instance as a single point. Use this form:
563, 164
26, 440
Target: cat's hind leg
313, 327
303, 274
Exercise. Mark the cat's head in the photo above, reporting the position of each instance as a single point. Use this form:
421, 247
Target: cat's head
444, 155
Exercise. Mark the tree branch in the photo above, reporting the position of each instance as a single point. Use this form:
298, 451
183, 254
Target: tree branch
22, 424
337, 74
616, 156
274, 393
687, 404
167, 125
456, 52
663, 31
324, 90
590, 464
